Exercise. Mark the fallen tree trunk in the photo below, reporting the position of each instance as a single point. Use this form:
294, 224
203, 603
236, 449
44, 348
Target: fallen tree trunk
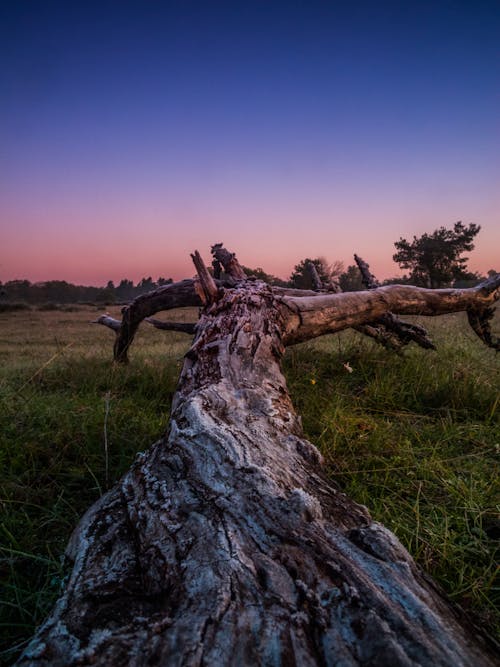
226, 544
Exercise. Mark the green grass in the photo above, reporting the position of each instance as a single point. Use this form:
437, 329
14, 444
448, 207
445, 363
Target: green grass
415, 438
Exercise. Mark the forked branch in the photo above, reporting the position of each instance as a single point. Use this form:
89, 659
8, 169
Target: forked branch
309, 314
310, 317
389, 330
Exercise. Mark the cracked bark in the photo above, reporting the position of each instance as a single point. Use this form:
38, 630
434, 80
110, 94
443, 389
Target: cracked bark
225, 543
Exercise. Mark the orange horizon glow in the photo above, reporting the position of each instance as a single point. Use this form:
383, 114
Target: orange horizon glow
131, 137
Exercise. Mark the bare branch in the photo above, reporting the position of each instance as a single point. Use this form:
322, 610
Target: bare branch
209, 291
228, 260
176, 295
480, 318
389, 330
407, 332
369, 280
316, 280
310, 317
184, 327
108, 321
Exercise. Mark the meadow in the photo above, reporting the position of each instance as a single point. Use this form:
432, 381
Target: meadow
414, 437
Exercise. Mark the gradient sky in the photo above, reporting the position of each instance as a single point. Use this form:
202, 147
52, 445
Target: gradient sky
134, 132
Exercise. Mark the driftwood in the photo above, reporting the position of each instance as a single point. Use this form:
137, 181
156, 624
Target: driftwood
225, 543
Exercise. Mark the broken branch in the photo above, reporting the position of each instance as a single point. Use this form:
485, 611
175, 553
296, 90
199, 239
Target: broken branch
108, 321
228, 260
209, 291
389, 330
327, 313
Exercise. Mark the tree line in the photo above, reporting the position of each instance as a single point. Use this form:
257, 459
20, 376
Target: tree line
432, 260
60, 291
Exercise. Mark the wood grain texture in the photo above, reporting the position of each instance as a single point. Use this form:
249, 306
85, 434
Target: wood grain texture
226, 544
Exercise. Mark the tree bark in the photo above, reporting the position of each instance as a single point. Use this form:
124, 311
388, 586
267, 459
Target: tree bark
390, 331
226, 544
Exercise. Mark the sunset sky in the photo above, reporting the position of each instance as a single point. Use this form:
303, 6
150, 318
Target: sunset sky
134, 132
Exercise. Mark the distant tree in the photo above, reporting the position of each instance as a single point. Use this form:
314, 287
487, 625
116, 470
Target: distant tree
350, 279
125, 290
164, 281
17, 290
434, 260
105, 295
268, 278
145, 285
301, 277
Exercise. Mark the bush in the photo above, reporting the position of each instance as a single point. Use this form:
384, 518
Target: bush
6, 307
63, 307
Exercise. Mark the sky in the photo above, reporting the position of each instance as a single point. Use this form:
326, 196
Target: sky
132, 133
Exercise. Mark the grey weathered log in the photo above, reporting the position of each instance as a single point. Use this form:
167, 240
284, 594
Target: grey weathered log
329, 313
226, 544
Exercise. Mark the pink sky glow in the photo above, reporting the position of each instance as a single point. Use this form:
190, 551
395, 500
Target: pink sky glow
132, 137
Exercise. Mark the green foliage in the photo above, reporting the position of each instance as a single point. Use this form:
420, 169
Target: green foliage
301, 277
415, 438
60, 291
268, 278
434, 260
350, 279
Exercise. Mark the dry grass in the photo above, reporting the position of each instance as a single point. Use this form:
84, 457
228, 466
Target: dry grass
415, 438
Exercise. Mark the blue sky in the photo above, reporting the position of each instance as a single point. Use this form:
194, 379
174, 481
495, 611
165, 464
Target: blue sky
134, 132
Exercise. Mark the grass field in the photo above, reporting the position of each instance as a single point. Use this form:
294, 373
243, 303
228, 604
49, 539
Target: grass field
416, 438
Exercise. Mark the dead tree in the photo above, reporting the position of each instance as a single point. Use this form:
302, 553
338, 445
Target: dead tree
225, 543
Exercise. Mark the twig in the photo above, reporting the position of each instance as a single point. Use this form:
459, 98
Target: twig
47, 363
107, 400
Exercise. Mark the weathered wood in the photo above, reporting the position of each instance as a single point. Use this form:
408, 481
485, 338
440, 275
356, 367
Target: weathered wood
316, 316
228, 260
390, 330
320, 285
176, 295
183, 327
367, 277
317, 283
206, 287
109, 322
225, 543
480, 316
